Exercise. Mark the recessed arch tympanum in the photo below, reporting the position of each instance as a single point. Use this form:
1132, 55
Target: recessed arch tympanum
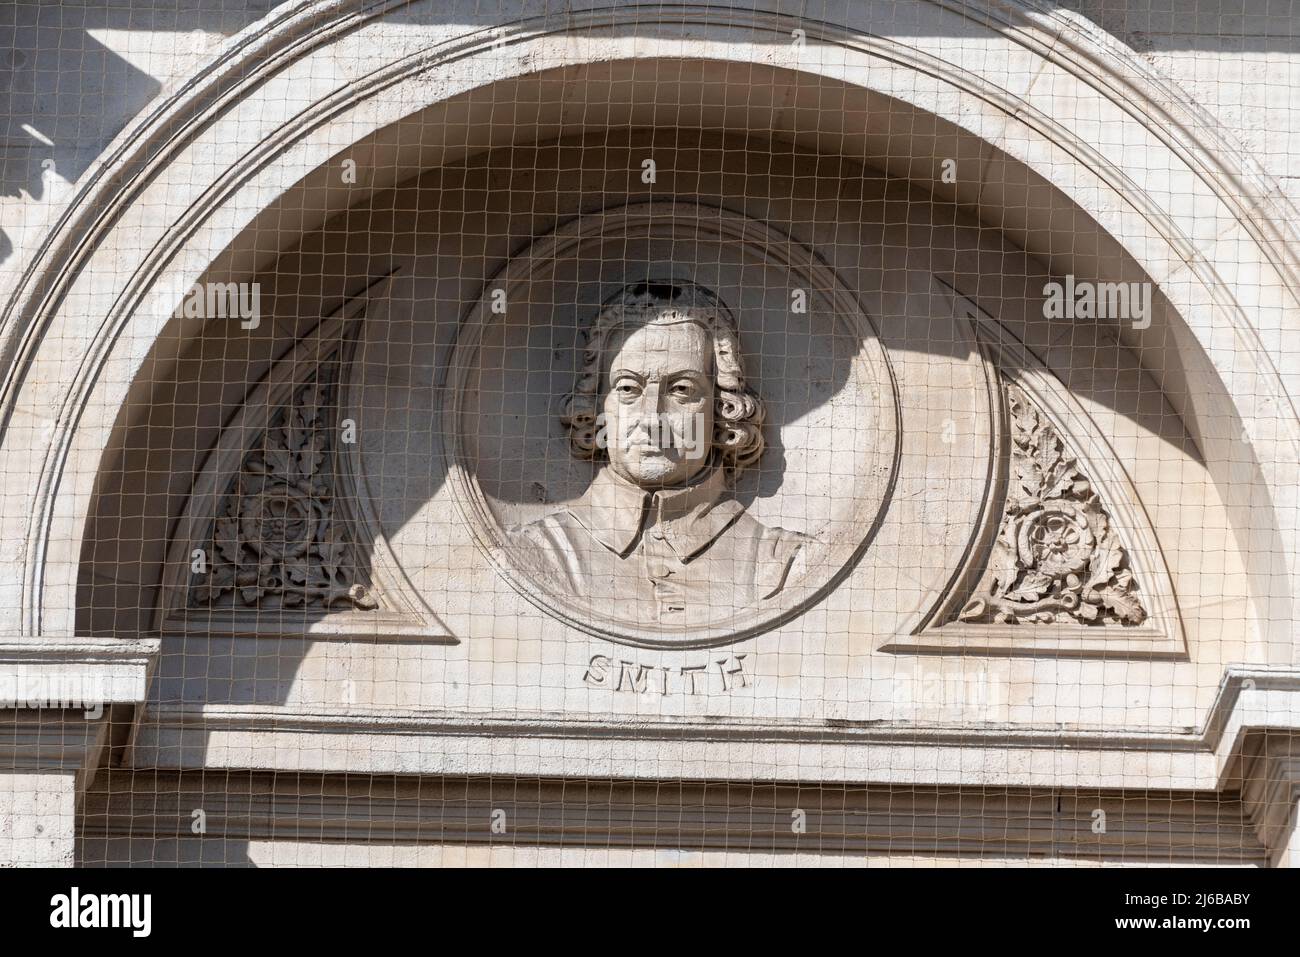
95, 305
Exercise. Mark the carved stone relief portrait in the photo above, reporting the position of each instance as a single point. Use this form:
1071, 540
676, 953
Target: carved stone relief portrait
661, 402
645, 436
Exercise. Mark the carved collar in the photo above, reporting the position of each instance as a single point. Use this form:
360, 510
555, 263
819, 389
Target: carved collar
688, 519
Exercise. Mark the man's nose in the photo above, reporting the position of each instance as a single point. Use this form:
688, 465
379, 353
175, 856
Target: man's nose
652, 399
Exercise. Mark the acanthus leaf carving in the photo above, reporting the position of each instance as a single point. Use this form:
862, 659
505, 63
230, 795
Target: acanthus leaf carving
1056, 557
278, 540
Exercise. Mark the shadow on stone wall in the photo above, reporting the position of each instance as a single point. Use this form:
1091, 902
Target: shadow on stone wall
64, 94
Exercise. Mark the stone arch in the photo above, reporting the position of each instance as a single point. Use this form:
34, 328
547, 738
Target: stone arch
79, 325
1054, 116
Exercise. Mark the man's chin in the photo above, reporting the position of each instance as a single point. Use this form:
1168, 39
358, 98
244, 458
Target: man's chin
659, 473
653, 476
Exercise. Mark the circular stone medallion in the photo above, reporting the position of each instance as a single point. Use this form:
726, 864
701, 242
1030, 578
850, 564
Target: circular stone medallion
740, 464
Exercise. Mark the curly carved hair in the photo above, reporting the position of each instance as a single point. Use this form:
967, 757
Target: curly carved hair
738, 412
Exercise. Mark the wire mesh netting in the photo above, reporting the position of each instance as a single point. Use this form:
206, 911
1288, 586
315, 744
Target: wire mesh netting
550, 434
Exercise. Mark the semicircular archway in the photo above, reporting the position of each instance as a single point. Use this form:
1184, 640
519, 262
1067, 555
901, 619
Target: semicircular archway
329, 135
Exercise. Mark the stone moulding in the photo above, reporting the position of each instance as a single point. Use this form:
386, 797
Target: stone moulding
741, 819
1201, 791
62, 734
1250, 700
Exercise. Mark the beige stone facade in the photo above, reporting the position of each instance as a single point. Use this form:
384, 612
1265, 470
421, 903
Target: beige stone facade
315, 550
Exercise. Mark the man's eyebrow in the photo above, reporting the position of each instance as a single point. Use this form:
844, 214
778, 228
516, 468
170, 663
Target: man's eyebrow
678, 374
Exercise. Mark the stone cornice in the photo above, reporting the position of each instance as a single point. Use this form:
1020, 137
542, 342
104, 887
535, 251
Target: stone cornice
52, 650
59, 695
1168, 828
1249, 743
1271, 785
1251, 702
109, 670
50, 740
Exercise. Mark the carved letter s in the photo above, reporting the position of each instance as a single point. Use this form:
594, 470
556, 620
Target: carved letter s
597, 671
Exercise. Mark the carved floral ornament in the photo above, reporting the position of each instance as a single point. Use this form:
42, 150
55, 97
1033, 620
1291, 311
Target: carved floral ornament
277, 540
1056, 557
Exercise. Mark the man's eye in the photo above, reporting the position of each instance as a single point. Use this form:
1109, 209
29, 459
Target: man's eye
626, 389
684, 390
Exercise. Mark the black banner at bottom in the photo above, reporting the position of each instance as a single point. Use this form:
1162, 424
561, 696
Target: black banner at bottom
233, 907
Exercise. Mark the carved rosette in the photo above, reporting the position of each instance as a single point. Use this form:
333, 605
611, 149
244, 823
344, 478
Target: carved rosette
1056, 558
277, 541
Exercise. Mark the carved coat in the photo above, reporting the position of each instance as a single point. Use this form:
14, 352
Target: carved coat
673, 556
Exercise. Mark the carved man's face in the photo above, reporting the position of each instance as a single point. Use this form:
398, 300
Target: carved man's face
659, 406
